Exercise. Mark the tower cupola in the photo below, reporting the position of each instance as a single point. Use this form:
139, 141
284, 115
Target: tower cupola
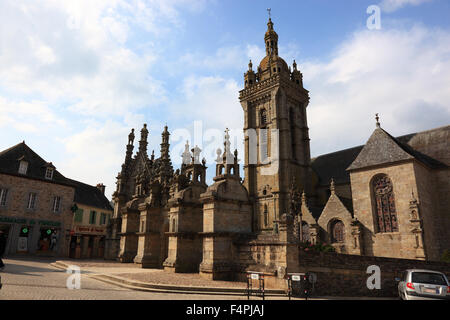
271, 40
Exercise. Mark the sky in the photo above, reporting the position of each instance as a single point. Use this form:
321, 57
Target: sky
76, 76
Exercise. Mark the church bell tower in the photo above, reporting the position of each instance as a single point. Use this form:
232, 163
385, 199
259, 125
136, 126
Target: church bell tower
276, 135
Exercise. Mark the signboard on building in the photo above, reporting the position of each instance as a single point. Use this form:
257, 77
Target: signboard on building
90, 230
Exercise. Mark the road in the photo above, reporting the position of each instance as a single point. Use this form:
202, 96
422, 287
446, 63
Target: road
34, 279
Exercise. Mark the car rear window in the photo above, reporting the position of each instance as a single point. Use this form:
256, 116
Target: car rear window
428, 278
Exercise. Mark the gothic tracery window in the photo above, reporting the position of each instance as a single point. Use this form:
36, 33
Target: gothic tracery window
337, 231
385, 213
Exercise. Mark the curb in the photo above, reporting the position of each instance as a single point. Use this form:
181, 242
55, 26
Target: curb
152, 287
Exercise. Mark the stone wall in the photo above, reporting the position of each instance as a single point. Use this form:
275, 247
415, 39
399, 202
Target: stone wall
428, 210
346, 275
442, 180
402, 242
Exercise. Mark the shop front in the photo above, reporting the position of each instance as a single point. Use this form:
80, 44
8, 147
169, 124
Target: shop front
32, 236
87, 242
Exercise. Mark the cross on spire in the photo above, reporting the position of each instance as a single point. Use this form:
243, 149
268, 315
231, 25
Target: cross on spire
269, 11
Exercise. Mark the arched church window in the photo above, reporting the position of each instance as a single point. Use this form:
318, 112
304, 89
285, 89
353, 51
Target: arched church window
293, 141
385, 212
266, 216
263, 117
337, 231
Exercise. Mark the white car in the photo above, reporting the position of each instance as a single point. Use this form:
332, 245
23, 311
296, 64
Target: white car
417, 284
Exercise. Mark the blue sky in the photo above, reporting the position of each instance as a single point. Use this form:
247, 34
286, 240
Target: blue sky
76, 76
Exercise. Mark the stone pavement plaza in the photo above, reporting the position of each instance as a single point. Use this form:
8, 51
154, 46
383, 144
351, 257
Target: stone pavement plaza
37, 278
31, 278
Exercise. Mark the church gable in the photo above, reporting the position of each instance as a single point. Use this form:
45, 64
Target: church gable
380, 149
334, 209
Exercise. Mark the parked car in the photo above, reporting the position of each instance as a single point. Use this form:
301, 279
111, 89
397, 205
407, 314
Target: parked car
417, 284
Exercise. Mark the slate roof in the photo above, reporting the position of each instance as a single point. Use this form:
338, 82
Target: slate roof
84, 193
90, 196
10, 159
334, 165
382, 148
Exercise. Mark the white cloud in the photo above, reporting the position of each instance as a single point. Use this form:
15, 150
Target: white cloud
29, 116
67, 70
393, 5
401, 74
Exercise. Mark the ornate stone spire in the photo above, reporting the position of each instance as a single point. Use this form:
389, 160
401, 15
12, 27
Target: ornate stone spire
131, 137
228, 157
165, 143
186, 155
143, 143
271, 39
196, 152
166, 164
377, 118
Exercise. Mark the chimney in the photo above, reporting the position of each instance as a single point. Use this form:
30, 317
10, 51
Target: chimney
101, 187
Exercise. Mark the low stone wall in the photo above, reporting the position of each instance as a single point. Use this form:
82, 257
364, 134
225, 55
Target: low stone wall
346, 275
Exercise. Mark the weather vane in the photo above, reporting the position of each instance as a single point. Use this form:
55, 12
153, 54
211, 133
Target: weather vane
269, 10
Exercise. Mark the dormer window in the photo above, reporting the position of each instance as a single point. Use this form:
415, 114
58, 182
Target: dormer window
49, 173
23, 167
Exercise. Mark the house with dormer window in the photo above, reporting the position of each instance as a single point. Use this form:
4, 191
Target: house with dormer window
37, 203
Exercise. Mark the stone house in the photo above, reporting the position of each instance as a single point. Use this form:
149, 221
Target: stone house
37, 203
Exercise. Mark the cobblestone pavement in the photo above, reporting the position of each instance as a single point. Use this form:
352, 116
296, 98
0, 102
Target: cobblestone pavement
34, 279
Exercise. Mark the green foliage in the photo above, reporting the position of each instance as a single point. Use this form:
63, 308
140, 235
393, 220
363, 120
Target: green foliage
446, 256
318, 247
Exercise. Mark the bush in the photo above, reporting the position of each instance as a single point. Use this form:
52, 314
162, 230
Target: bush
318, 247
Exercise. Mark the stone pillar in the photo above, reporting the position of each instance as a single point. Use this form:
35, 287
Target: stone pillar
149, 242
185, 243
287, 238
129, 239
112, 239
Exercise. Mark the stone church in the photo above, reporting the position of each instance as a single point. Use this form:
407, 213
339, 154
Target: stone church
388, 198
